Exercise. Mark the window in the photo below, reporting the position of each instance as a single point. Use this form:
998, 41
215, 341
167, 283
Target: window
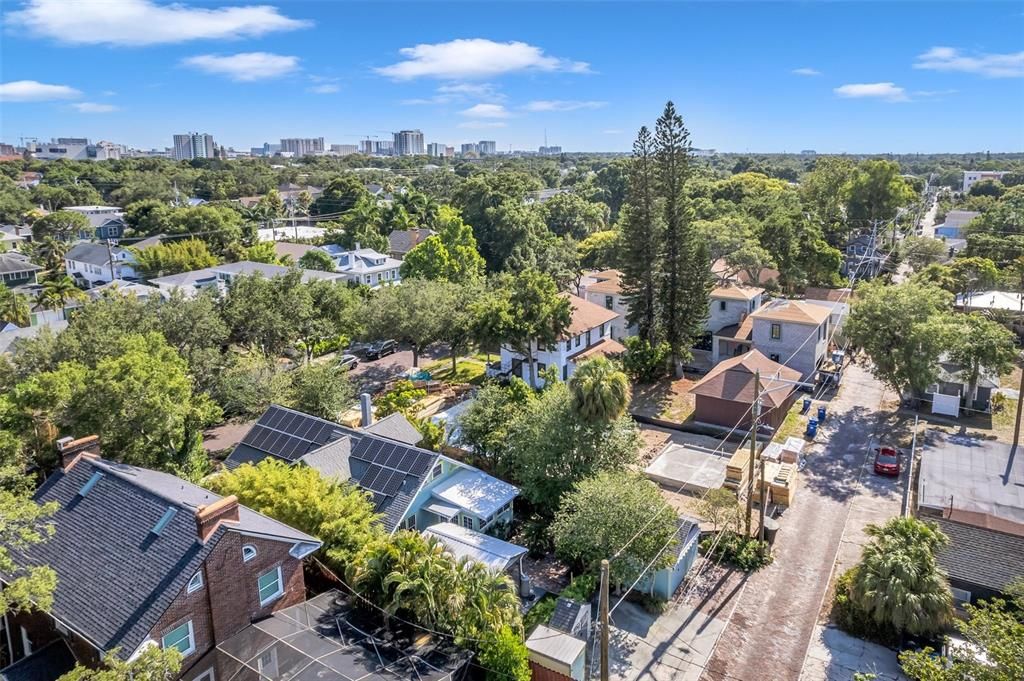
588, 337
410, 522
541, 366
438, 469
602, 331
721, 305
271, 586
609, 302
467, 522
266, 664
196, 583
579, 339
248, 553
182, 638
776, 331
773, 357
568, 345
164, 520
565, 372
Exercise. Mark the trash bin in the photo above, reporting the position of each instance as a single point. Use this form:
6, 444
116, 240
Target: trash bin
821, 414
812, 427
807, 405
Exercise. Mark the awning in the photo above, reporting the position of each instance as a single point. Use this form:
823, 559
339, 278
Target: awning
442, 510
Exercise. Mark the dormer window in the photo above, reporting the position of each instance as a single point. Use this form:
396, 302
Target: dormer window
248, 553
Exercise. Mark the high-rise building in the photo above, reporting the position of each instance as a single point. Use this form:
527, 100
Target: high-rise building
302, 146
549, 151
409, 143
75, 149
470, 149
344, 149
377, 147
487, 147
192, 145
436, 150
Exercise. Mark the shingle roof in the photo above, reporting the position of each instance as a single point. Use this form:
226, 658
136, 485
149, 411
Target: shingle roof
736, 292
296, 251
567, 612
733, 379
792, 311
48, 663
605, 281
403, 240
391, 471
981, 556
606, 347
586, 315
115, 576
741, 331
395, 427
92, 253
15, 262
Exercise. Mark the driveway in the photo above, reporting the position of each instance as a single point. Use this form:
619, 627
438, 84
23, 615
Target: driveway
776, 612
674, 645
372, 375
837, 656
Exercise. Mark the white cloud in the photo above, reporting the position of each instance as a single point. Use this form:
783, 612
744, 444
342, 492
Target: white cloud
806, 71
144, 22
612, 131
480, 125
475, 58
474, 89
889, 92
486, 111
562, 105
245, 66
108, 93
933, 93
1009, 65
94, 107
325, 89
34, 91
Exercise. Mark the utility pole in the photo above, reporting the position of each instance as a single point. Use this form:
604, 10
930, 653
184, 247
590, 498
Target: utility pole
753, 448
604, 620
1020, 402
110, 259
764, 494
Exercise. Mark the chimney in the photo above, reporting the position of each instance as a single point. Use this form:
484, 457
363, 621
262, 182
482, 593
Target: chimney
208, 518
365, 410
71, 449
357, 246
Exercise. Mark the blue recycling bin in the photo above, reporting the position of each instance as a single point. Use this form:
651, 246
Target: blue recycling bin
812, 427
821, 414
807, 405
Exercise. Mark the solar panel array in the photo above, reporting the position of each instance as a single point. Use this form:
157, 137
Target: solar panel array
289, 435
388, 465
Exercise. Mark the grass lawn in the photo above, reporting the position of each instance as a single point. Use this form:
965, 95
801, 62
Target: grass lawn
466, 371
794, 425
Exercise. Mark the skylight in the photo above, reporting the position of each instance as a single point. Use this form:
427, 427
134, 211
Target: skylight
164, 520
90, 483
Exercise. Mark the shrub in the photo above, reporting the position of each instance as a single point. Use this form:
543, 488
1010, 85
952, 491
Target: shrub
537, 537
652, 605
540, 613
504, 656
643, 362
745, 553
854, 621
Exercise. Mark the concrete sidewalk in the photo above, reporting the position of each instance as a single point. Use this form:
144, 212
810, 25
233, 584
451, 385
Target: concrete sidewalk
837, 656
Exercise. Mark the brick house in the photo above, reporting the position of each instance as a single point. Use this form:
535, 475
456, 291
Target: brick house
145, 558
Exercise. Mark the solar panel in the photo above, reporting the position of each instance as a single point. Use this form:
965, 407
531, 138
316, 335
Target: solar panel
394, 484
421, 464
274, 417
370, 477
367, 451
394, 456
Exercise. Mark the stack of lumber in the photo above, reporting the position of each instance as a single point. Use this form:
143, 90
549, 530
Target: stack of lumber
736, 471
783, 483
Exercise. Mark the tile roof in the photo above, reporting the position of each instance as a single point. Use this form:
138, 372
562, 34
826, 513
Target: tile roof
733, 380
116, 577
395, 427
392, 472
463, 542
586, 315
740, 292
981, 556
784, 310
606, 347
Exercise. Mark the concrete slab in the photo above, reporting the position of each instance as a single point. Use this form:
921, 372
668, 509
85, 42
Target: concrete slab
674, 646
837, 656
691, 468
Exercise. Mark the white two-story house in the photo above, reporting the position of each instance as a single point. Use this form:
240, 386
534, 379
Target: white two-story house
92, 264
604, 288
589, 335
729, 309
364, 265
793, 333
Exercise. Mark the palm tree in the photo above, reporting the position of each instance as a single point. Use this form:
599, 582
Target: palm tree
600, 392
57, 292
13, 307
898, 581
489, 600
50, 252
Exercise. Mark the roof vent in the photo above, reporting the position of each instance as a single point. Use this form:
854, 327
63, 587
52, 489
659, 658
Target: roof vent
165, 519
90, 483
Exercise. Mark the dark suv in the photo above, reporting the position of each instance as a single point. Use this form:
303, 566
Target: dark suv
381, 349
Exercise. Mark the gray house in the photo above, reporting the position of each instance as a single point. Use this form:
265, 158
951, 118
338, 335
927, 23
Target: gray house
16, 269
793, 333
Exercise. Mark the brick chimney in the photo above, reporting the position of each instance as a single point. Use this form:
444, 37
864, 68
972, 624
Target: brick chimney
70, 449
208, 518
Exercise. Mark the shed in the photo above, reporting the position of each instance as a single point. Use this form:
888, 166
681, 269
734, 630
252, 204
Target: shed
663, 583
980, 562
572, 617
724, 397
558, 652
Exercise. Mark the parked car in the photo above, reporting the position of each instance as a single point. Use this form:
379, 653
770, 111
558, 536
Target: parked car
887, 461
348, 362
381, 349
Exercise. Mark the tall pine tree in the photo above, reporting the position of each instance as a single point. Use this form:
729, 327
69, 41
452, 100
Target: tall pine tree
684, 278
641, 238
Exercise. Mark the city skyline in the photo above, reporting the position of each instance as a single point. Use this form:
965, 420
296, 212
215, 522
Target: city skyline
752, 77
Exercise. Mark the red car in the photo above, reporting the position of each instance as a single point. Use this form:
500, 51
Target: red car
887, 461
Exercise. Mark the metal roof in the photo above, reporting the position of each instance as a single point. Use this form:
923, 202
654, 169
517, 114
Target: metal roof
475, 491
463, 542
555, 645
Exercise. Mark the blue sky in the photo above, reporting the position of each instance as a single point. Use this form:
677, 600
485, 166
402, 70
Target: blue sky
753, 76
